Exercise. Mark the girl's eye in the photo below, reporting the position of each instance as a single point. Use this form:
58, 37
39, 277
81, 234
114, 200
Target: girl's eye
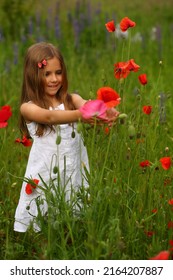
58, 72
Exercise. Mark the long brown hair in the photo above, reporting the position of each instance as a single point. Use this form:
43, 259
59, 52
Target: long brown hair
33, 88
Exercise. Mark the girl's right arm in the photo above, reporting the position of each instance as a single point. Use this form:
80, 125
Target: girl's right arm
34, 113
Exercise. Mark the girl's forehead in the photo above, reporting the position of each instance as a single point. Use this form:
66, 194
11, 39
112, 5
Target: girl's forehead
53, 63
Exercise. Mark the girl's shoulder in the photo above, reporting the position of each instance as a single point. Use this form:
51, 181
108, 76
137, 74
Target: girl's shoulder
33, 113
78, 101
26, 105
25, 109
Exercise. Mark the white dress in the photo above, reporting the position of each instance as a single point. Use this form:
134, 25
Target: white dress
70, 156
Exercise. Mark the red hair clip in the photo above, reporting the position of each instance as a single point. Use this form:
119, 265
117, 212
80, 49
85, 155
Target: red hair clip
42, 63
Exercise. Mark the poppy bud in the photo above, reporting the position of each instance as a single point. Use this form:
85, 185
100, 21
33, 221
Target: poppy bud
79, 127
143, 79
73, 134
131, 131
58, 139
56, 225
55, 170
122, 116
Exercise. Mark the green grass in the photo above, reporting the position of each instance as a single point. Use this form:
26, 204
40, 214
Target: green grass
117, 218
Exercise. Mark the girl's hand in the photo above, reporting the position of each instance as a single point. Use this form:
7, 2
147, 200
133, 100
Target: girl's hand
112, 115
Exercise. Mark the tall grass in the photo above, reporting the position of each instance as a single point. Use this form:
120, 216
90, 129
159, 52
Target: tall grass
126, 214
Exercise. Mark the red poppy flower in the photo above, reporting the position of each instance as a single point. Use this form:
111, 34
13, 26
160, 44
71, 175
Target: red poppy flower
149, 233
154, 210
24, 141
107, 130
171, 243
147, 109
170, 201
5, 114
143, 79
145, 163
170, 224
121, 70
29, 187
163, 255
132, 66
110, 26
165, 162
125, 23
110, 97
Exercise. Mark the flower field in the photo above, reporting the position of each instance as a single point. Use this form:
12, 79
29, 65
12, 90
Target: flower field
120, 55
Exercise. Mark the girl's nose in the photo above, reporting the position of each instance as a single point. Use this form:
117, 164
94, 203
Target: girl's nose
54, 77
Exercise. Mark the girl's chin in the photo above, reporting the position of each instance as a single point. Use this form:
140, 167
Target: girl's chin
52, 92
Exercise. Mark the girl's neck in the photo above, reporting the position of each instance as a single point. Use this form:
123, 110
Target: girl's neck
54, 102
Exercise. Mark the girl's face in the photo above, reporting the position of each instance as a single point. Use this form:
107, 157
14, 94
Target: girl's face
53, 77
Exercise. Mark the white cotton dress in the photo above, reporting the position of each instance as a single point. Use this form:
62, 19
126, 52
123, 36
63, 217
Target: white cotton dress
70, 156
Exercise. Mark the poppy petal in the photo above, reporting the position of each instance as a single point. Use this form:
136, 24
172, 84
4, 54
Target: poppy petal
93, 108
3, 124
110, 97
126, 23
163, 255
165, 162
110, 26
143, 79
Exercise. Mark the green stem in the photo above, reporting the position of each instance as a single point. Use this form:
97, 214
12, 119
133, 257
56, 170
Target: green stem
92, 146
158, 78
129, 47
7, 242
2, 140
106, 156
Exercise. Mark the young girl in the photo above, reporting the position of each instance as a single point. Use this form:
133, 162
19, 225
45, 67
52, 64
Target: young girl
48, 115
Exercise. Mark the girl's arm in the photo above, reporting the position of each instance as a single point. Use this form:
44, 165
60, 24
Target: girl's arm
78, 101
112, 113
34, 113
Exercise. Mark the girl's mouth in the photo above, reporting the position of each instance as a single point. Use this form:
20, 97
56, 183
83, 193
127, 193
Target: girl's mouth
53, 86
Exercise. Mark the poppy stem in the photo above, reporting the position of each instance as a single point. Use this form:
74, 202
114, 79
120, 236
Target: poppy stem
129, 47
92, 146
106, 156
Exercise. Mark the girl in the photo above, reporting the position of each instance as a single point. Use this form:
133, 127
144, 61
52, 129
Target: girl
48, 114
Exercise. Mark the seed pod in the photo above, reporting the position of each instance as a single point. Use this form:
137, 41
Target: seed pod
79, 127
131, 131
122, 116
73, 134
56, 225
58, 139
55, 170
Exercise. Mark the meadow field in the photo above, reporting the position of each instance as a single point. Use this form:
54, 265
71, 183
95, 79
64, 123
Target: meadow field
128, 212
